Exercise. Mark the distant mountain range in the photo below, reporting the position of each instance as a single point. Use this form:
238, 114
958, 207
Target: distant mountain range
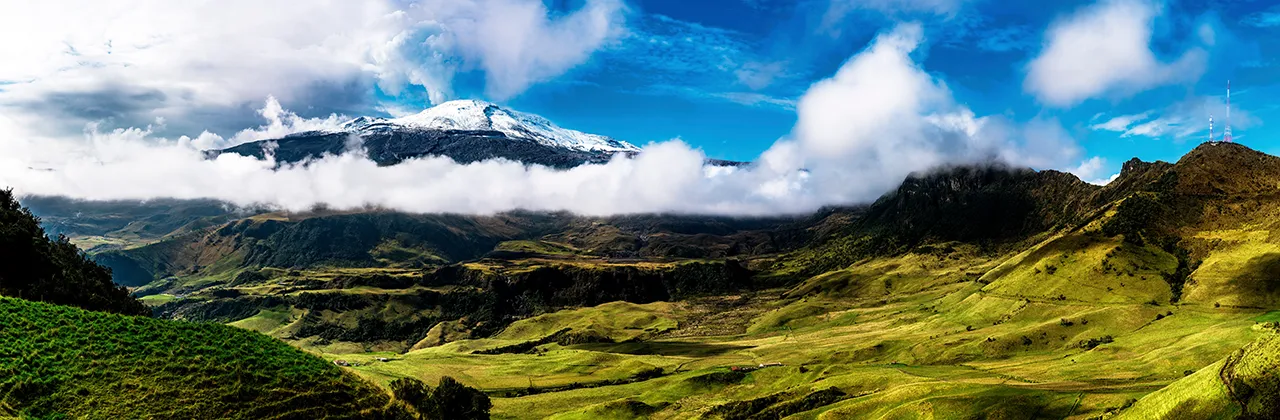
464, 130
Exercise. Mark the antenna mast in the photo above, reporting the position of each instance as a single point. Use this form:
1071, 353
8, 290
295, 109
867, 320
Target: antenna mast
1226, 135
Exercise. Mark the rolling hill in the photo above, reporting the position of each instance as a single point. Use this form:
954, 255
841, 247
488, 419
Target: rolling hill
61, 361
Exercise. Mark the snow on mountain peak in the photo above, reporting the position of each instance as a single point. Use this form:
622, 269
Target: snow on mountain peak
485, 116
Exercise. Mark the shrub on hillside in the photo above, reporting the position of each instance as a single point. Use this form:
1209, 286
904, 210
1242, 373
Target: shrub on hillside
450, 400
249, 277
1095, 342
1135, 218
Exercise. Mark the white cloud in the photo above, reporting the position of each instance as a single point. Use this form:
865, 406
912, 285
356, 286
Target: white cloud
1105, 181
1121, 123
882, 117
131, 164
876, 95
1159, 127
1104, 50
1186, 119
128, 63
1045, 144
1090, 169
518, 44
859, 133
756, 75
281, 122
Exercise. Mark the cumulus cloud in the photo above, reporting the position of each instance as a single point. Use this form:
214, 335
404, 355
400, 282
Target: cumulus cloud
1105, 181
859, 133
281, 122
1105, 49
882, 117
204, 65
1091, 169
518, 44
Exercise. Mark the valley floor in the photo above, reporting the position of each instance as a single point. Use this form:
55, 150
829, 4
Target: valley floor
950, 351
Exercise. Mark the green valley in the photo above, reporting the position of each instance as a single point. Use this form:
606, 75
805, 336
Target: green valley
969, 292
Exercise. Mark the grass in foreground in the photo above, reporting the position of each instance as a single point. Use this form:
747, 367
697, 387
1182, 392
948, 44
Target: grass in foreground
59, 361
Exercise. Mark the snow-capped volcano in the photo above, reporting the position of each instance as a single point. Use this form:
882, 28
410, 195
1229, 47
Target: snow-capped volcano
473, 115
465, 131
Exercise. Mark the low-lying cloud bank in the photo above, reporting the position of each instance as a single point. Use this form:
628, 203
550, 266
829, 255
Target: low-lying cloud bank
858, 135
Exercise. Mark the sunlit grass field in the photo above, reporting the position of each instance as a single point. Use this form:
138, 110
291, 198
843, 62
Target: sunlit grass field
939, 347
63, 362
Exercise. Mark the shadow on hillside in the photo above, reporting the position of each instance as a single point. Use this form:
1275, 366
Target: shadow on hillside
1265, 269
662, 348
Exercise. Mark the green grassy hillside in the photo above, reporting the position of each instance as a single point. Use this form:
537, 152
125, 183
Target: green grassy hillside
950, 350
1244, 385
60, 361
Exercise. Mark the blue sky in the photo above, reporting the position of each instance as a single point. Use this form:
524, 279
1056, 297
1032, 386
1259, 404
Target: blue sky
723, 75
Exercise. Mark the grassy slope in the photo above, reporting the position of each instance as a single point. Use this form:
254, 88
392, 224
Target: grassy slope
538, 247
948, 332
1201, 396
1245, 382
1239, 268
913, 354
619, 321
1087, 268
56, 359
